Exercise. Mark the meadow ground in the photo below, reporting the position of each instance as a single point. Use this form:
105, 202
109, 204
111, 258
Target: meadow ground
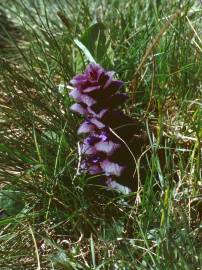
52, 217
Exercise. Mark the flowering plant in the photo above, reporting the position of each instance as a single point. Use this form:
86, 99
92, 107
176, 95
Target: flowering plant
97, 95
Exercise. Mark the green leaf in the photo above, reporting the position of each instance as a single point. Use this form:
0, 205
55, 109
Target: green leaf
84, 50
95, 41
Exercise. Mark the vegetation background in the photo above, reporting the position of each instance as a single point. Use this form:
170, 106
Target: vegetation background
53, 218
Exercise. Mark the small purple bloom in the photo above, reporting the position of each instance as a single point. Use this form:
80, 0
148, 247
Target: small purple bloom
104, 135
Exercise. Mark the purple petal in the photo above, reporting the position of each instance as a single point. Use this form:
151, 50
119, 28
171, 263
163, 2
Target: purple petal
75, 94
120, 188
104, 136
87, 100
86, 127
87, 149
91, 89
107, 147
97, 123
100, 72
110, 75
78, 108
111, 168
92, 71
99, 114
78, 79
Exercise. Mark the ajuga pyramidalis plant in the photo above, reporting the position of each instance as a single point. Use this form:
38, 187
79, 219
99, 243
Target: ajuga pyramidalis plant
98, 98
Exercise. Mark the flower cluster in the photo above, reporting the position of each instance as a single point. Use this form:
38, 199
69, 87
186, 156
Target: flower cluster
97, 98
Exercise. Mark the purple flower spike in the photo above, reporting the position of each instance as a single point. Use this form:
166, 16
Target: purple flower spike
97, 95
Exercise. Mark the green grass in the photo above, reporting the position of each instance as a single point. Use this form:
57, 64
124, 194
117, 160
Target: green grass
55, 218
